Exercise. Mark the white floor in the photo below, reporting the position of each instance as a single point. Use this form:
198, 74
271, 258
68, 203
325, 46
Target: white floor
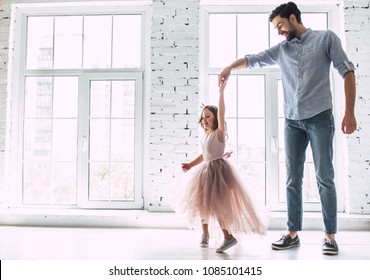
71, 243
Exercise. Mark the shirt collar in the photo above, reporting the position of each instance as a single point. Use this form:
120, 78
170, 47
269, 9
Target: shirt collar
296, 40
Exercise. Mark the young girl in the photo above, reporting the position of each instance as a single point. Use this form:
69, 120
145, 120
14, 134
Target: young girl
215, 190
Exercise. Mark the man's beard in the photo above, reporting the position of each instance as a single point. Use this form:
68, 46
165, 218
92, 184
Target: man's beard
292, 34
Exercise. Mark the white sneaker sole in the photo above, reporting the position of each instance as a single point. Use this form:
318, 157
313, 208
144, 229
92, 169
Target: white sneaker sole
284, 248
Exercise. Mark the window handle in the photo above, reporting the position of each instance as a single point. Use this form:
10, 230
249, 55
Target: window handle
83, 144
275, 143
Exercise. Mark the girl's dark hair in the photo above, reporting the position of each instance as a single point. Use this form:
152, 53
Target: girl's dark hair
285, 10
214, 111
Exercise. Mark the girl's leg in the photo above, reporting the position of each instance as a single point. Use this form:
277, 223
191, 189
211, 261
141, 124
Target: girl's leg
205, 236
229, 240
205, 226
227, 234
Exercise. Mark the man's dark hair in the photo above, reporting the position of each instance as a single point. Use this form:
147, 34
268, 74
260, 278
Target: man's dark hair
285, 10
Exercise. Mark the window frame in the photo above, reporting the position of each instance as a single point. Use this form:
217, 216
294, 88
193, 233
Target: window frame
18, 73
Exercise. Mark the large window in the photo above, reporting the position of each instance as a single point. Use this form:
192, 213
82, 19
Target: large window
254, 98
79, 118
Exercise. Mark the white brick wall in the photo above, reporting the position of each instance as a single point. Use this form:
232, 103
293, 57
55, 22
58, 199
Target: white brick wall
4, 31
357, 31
174, 102
174, 94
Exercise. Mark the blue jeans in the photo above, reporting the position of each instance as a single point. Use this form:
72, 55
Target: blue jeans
319, 132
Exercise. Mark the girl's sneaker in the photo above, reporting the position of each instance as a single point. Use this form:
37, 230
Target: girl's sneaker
226, 244
205, 240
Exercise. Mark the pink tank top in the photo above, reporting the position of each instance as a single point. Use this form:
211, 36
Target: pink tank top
212, 147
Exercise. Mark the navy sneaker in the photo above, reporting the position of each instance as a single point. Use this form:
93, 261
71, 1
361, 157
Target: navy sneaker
329, 247
286, 242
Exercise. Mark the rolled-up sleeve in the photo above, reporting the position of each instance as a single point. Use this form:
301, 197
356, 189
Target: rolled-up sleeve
264, 58
338, 55
347, 67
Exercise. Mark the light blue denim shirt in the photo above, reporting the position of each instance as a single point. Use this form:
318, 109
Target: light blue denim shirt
305, 69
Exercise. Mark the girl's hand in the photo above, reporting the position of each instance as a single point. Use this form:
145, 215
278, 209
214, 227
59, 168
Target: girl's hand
227, 154
224, 75
185, 166
222, 84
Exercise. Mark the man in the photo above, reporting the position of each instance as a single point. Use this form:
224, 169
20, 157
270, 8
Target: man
305, 58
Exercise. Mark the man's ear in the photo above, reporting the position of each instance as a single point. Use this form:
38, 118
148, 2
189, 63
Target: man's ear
292, 18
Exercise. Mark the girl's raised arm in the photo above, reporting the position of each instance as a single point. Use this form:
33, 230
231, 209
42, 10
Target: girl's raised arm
221, 111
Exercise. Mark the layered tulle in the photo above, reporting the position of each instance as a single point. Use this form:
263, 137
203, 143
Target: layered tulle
215, 190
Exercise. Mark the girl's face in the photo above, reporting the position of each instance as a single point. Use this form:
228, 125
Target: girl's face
208, 119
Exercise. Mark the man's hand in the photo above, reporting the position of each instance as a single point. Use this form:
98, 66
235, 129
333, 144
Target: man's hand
238, 64
349, 124
224, 75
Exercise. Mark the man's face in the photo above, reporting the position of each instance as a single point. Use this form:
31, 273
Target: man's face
284, 27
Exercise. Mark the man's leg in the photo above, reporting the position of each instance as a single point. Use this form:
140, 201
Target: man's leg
296, 142
321, 133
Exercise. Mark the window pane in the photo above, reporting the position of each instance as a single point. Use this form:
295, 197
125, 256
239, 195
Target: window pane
65, 183
50, 137
251, 140
247, 101
112, 140
65, 97
64, 140
122, 181
122, 140
99, 181
100, 99
126, 41
315, 21
39, 43
111, 182
222, 28
38, 97
99, 140
251, 96
123, 99
68, 42
37, 140
97, 41
252, 33
37, 185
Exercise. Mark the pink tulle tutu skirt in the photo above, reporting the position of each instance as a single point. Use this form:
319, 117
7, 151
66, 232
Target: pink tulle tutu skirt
215, 190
